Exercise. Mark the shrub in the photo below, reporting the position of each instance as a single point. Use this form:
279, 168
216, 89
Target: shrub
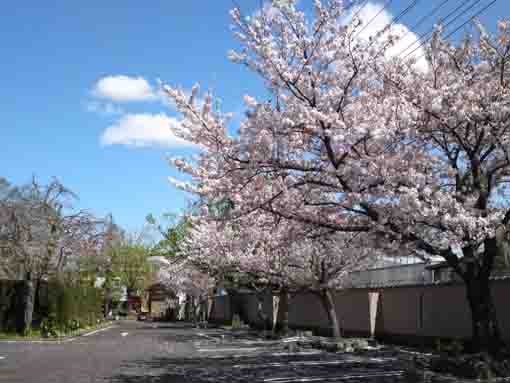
49, 328
73, 305
454, 347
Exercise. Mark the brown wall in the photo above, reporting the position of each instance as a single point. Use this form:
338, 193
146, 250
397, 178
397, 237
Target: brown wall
220, 311
352, 307
408, 312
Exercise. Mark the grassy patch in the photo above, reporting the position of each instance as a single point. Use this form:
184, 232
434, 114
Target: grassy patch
32, 334
35, 334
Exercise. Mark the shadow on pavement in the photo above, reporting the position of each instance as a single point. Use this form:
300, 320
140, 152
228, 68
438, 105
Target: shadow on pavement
261, 368
166, 326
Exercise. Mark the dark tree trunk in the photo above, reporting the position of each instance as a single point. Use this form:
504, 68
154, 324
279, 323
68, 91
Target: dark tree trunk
261, 314
37, 301
129, 294
486, 336
282, 322
197, 311
26, 297
189, 309
329, 305
107, 302
7, 303
203, 309
476, 271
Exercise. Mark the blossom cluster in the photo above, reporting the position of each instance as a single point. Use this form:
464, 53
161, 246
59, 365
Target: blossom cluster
356, 153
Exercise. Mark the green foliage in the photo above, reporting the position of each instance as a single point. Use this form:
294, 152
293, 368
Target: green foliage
129, 266
237, 323
49, 327
71, 305
454, 347
502, 260
173, 235
220, 208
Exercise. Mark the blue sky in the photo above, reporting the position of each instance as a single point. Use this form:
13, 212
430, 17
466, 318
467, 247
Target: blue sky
70, 70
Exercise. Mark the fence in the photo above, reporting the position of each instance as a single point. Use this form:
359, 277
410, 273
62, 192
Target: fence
413, 314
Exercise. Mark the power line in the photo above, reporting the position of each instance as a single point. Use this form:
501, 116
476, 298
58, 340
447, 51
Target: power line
467, 21
404, 12
471, 18
393, 21
388, 2
425, 34
421, 21
396, 19
446, 26
416, 25
442, 19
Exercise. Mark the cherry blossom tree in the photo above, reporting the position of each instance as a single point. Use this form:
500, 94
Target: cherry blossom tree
310, 156
354, 143
458, 112
41, 232
186, 279
275, 254
42, 236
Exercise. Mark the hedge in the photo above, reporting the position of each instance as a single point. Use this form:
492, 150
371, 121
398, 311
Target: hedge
71, 305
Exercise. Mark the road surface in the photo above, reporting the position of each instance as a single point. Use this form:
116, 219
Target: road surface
139, 352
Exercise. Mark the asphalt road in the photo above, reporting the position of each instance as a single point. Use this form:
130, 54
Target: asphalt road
138, 352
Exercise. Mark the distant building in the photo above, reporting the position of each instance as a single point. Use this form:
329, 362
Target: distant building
387, 274
394, 275
161, 301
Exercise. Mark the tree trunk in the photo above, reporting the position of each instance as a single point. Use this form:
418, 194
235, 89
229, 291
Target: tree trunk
7, 291
261, 314
282, 321
276, 309
24, 321
107, 302
189, 316
203, 308
476, 272
486, 336
37, 300
197, 311
329, 305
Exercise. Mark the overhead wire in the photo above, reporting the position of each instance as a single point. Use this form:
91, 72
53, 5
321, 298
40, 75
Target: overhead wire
415, 26
471, 18
404, 12
388, 2
422, 19
474, 16
479, 12
425, 17
396, 19
445, 26
425, 35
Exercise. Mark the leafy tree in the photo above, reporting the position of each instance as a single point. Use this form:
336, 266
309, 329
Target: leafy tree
173, 234
129, 265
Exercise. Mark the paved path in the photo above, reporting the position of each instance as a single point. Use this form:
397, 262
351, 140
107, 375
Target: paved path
137, 352
92, 358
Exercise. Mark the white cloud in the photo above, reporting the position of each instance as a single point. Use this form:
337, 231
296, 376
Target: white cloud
142, 130
122, 88
370, 27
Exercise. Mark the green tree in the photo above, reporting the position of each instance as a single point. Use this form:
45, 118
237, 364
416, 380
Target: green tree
172, 235
130, 267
